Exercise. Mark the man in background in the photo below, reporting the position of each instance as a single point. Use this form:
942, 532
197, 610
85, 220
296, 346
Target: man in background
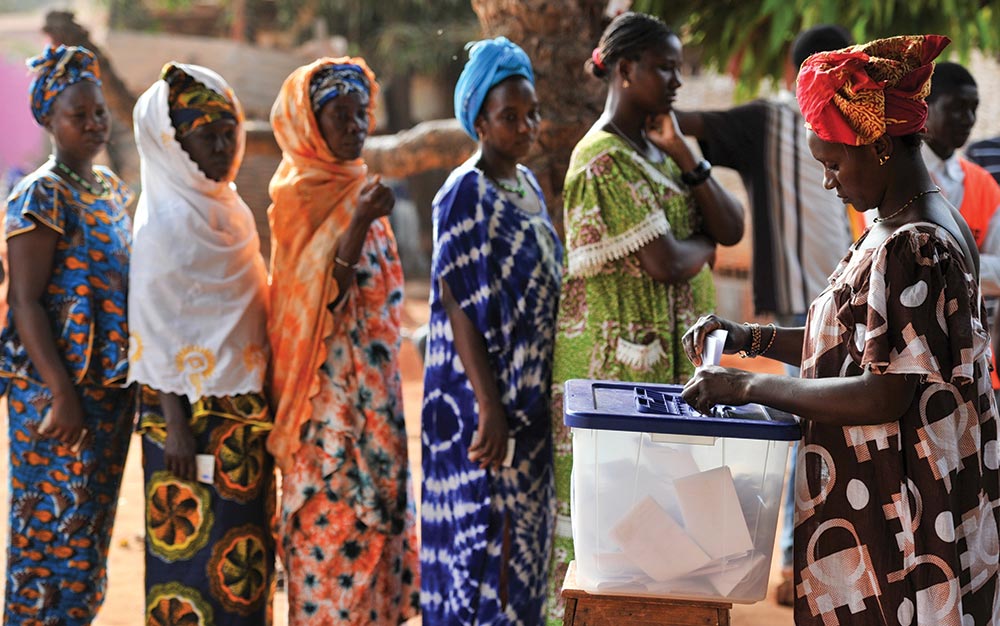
801, 231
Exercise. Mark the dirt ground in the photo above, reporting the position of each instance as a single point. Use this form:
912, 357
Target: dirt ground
124, 604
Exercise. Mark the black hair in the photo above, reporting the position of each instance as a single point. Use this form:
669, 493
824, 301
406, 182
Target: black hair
820, 38
626, 37
912, 141
948, 78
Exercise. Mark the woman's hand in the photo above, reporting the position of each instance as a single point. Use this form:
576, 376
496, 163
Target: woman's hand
375, 201
489, 444
694, 339
665, 133
65, 419
179, 450
180, 446
714, 385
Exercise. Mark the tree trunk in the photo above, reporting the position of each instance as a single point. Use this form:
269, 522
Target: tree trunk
558, 36
438, 144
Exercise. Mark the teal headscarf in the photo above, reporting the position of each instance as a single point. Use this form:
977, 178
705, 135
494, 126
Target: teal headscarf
490, 61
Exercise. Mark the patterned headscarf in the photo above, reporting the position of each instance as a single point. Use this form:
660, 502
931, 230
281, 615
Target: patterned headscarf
55, 70
857, 94
337, 80
191, 103
490, 61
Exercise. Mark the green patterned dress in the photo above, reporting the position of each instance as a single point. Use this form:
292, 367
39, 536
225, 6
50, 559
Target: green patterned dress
615, 322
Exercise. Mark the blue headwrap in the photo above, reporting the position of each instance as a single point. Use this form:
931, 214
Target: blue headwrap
337, 80
490, 61
55, 70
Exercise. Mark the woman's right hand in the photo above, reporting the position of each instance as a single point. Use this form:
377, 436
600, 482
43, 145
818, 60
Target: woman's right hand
375, 201
65, 419
179, 450
694, 339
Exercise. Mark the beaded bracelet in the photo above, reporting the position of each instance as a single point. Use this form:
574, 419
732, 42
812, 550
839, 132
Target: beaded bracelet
774, 331
754, 349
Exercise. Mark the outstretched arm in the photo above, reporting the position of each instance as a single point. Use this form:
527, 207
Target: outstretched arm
843, 401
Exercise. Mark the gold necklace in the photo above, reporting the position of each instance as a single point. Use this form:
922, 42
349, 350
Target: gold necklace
918, 195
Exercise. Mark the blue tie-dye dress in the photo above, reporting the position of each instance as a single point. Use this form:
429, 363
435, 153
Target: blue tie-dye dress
503, 266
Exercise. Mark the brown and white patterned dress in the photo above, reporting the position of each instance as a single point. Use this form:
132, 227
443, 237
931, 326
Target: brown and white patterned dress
896, 523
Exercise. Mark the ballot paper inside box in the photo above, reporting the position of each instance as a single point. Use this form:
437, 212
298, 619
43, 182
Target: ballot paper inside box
673, 503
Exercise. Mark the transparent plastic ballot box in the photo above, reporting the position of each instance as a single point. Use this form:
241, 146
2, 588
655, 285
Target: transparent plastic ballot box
671, 503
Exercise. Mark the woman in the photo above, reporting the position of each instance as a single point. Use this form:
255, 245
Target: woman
495, 277
199, 349
65, 353
348, 534
642, 222
897, 482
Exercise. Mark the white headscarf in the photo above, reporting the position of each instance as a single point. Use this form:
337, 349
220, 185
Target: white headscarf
197, 283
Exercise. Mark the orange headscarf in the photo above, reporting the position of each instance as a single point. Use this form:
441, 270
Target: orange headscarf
858, 94
313, 196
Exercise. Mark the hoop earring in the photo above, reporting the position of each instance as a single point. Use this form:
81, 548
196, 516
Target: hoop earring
625, 84
882, 160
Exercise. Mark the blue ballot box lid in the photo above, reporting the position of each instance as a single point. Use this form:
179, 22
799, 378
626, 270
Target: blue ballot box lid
651, 408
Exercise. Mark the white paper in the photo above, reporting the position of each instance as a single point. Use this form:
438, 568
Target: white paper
712, 513
725, 581
205, 468
711, 352
655, 543
508, 458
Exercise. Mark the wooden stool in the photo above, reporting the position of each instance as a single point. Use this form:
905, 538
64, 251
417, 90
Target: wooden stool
595, 609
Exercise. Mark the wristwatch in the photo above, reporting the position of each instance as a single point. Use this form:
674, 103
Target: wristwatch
698, 175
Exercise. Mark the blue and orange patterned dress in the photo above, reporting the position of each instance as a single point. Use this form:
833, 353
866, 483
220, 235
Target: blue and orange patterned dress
503, 266
63, 502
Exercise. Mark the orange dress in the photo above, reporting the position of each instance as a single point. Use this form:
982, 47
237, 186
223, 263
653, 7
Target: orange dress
348, 533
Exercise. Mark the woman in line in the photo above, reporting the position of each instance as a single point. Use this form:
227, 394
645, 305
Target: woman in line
897, 483
642, 222
495, 275
65, 353
348, 535
198, 325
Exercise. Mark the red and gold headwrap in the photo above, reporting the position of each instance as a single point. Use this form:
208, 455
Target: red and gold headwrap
858, 94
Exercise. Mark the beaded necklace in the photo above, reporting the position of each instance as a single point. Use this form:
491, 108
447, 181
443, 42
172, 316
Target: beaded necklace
87, 185
519, 189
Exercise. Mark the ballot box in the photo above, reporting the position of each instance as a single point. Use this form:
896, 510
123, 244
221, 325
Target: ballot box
669, 502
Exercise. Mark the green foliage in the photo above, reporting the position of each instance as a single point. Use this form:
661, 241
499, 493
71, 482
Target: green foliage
751, 38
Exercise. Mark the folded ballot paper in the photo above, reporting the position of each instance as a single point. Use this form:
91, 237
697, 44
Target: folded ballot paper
713, 543
711, 352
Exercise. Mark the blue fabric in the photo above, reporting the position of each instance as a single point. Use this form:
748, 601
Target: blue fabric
490, 61
55, 70
85, 300
503, 266
337, 80
62, 506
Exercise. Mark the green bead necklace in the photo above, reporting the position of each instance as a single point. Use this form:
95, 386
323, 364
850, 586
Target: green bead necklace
87, 185
519, 189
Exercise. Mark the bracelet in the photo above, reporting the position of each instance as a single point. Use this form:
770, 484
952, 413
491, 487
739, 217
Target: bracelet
342, 263
754, 349
774, 331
